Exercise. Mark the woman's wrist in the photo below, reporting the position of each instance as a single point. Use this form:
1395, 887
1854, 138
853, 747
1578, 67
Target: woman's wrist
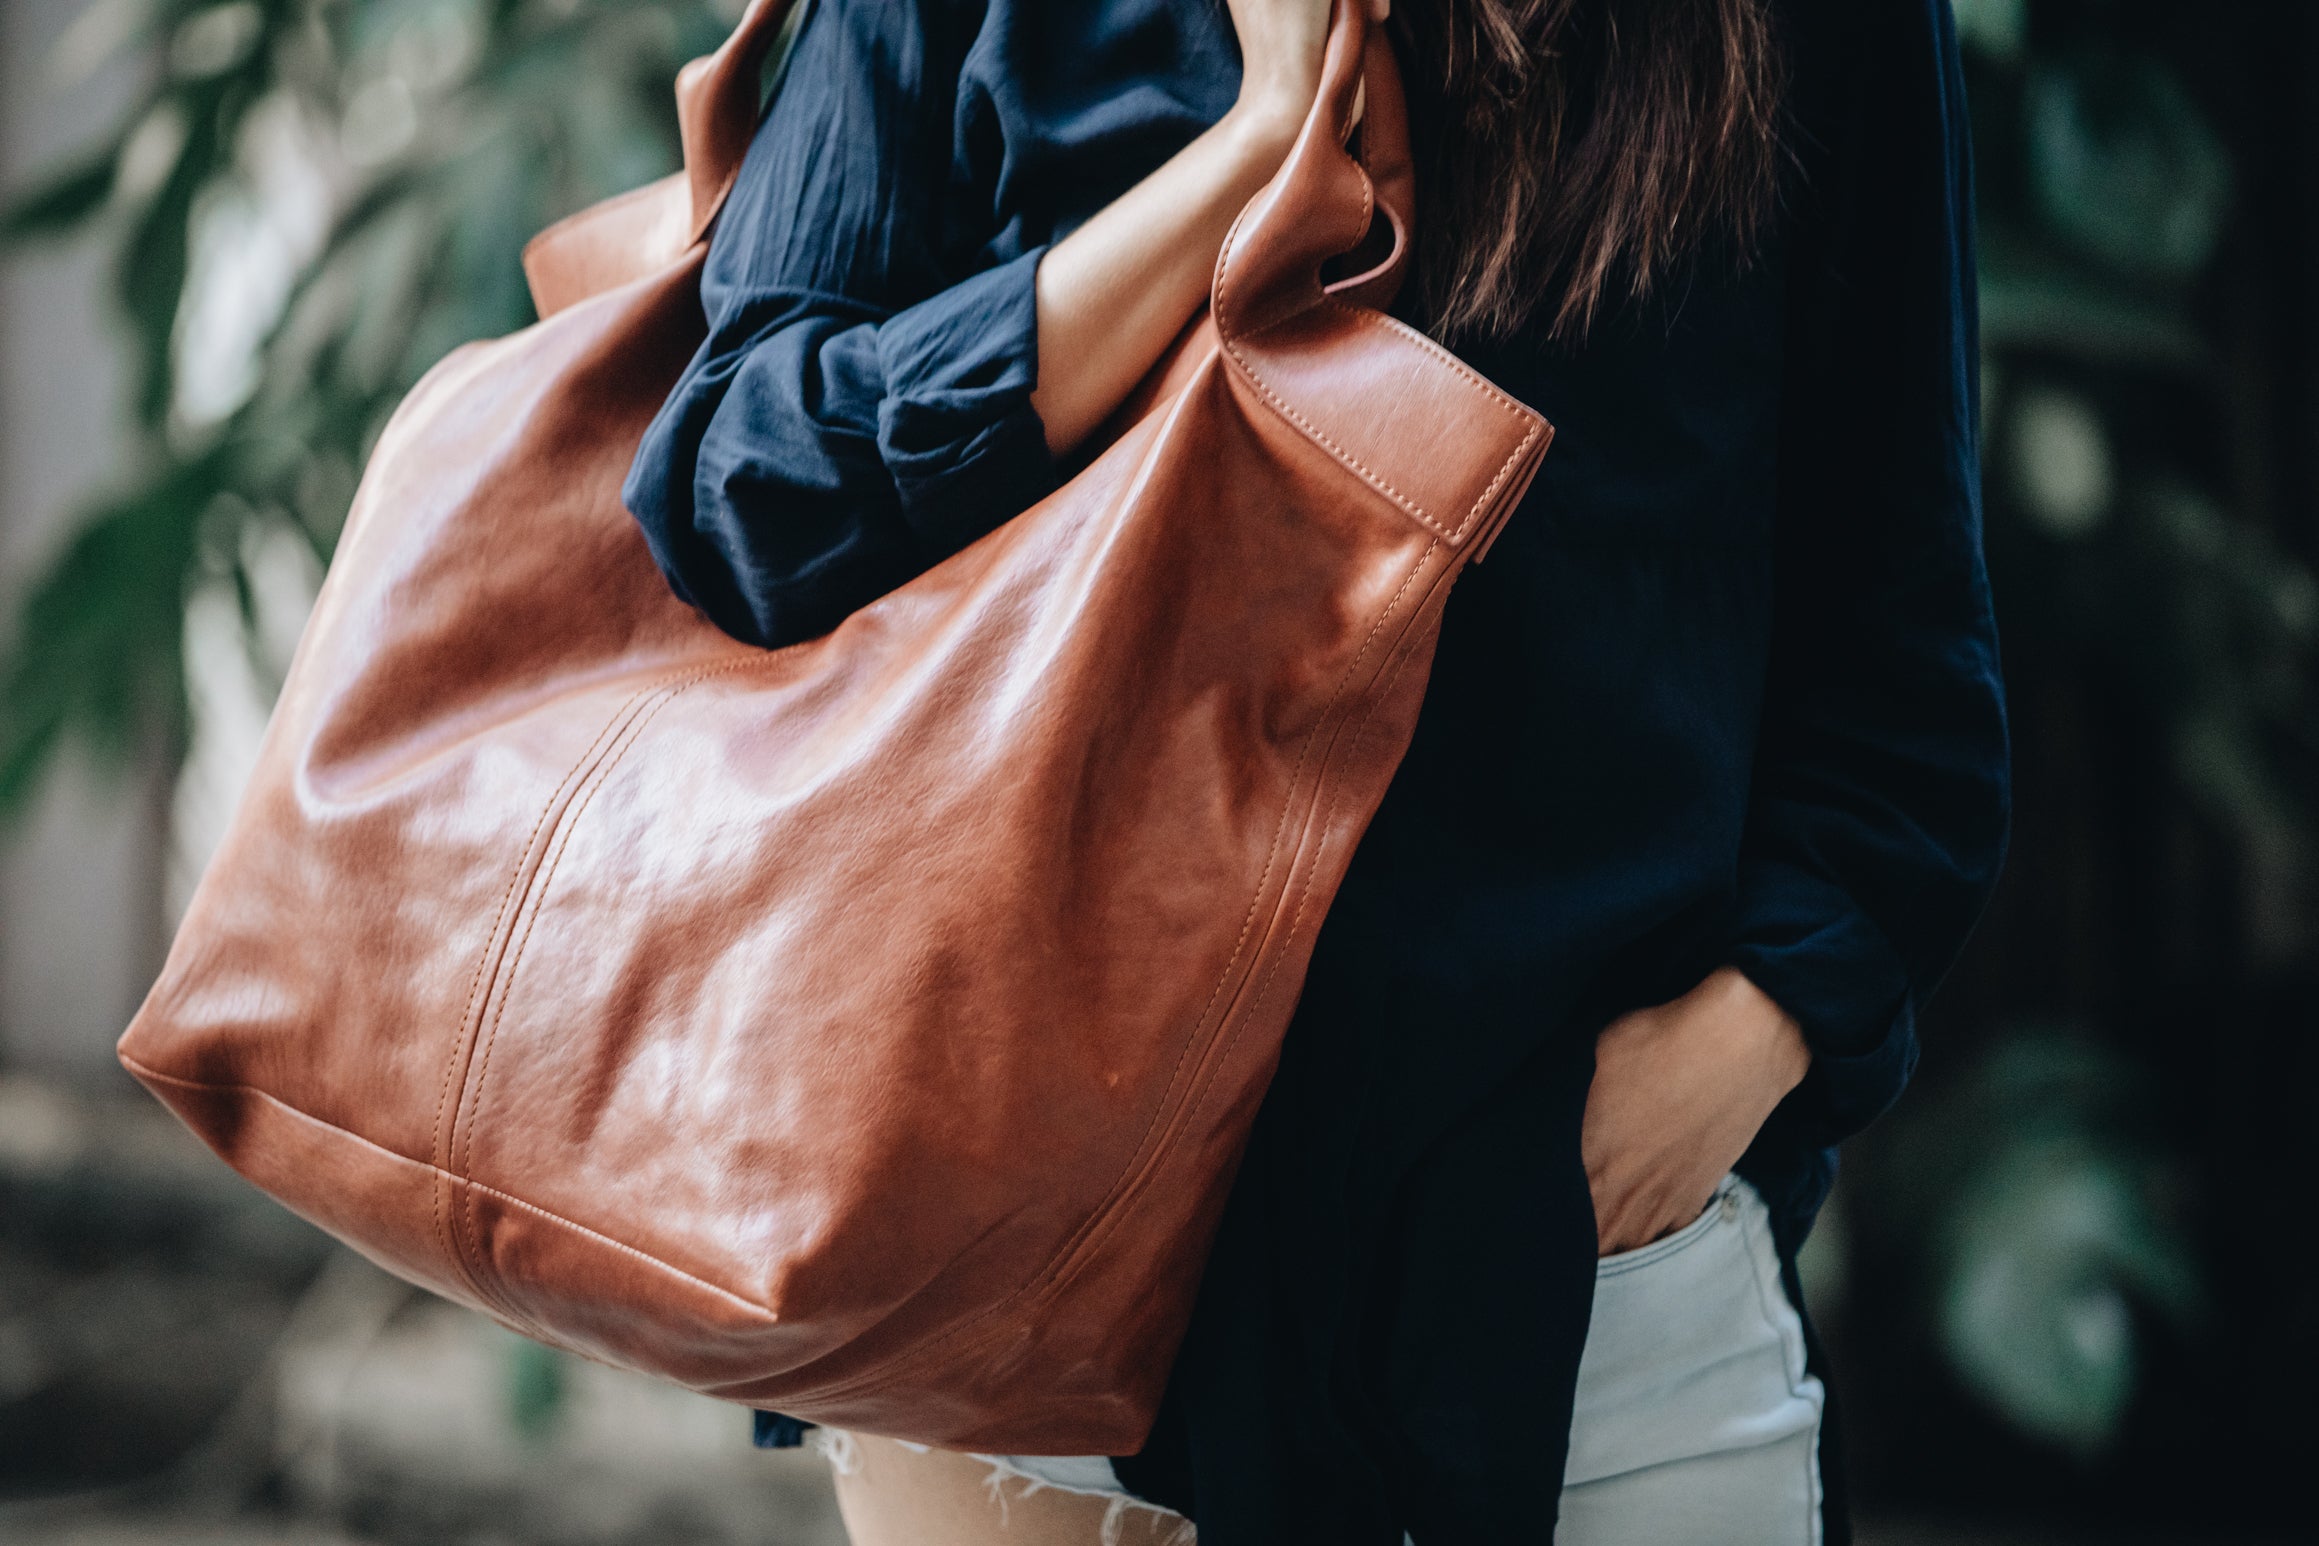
1260, 129
1115, 292
1755, 1016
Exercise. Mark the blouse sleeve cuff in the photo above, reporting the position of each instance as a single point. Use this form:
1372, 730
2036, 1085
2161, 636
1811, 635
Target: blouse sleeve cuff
957, 430
1811, 949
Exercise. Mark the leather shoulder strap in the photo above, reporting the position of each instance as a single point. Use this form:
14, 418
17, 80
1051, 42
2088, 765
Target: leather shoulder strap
642, 232
717, 103
1321, 203
1319, 206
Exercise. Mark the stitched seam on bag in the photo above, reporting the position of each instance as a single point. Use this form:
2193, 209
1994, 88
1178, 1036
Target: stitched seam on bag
514, 881
1247, 922
1065, 1269
1224, 1053
438, 1173
1481, 383
536, 899
1231, 964
600, 774
1061, 1278
464, 1038
1304, 897
1361, 469
471, 1100
1105, 1218
1091, 1234
1367, 318
1336, 798
539, 894
1315, 433
623, 1247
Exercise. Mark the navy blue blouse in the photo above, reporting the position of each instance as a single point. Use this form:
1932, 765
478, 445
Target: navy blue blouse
1727, 690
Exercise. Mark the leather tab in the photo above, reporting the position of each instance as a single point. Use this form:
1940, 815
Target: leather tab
717, 104
607, 245
1392, 407
1398, 411
1385, 156
1317, 206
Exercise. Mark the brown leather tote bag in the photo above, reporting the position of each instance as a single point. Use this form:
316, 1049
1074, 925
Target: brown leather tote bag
866, 1029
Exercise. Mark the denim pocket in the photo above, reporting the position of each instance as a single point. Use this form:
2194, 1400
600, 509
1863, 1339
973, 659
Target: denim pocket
1721, 1208
1692, 1351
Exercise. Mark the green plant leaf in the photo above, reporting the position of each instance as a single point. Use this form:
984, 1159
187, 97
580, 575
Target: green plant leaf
2034, 1204
424, 255
64, 201
96, 649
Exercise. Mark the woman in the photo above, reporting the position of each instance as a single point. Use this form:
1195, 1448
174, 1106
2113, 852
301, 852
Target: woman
1711, 780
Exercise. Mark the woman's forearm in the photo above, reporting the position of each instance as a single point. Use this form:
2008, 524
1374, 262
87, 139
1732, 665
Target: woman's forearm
1115, 292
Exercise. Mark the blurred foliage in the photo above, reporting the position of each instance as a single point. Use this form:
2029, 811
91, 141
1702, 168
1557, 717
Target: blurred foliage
338, 190
2039, 1197
2049, 1220
2105, 194
538, 1387
2124, 166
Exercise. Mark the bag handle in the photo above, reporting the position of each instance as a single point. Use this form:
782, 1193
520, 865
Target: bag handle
717, 104
1317, 206
1321, 202
642, 232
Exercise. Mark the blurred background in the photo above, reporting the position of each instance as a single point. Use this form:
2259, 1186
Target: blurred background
2071, 1287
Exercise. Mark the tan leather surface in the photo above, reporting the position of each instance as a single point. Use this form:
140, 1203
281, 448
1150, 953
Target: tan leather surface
605, 246
866, 1029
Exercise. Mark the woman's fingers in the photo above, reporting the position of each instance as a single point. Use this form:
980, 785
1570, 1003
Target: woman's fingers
1634, 1206
1281, 42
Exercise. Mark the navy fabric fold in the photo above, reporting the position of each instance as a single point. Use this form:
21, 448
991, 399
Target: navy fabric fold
861, 407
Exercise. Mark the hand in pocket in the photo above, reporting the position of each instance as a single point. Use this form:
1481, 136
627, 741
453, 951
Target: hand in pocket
1679, 1092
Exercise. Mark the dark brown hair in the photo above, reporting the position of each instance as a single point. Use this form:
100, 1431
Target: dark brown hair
1574, 151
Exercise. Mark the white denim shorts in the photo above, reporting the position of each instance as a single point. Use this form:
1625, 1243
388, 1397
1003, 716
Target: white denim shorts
1696, 1423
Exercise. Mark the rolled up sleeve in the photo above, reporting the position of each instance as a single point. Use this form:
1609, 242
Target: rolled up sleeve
1880, 800
861, 408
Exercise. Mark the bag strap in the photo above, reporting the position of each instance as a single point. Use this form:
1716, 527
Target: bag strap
645, 230
1321, 202
717, 105
1317, 207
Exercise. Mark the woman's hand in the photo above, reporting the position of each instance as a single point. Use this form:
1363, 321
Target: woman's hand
1679, 1092
1280, 58
1115, 293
